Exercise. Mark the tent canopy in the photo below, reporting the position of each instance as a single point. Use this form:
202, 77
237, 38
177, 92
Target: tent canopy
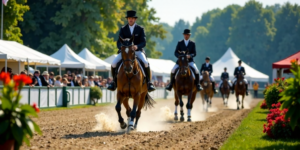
12, 50
285, 63
230, 60
69, 59
100, 64
158, 66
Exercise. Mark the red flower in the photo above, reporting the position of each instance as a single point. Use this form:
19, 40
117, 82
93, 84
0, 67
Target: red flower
278, 79
22, 79
275, 79
36, 108
283, 125
282, 78
294, 60
5, 77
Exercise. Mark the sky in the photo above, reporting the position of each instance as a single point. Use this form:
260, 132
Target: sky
170, 11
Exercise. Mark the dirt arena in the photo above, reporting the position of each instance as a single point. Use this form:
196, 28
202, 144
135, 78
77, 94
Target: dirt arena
98, 127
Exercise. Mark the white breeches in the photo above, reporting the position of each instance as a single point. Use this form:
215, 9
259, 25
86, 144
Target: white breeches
191, 64
139, 54
245, 80
210, 77
222, 82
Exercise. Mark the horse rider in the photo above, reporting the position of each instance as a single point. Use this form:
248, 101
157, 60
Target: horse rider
187, 47
127, 31
224, 76
238, 69
209, 68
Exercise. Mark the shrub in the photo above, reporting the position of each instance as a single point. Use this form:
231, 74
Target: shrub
272, 95
291, 96
264, 105
95, 94
277, 126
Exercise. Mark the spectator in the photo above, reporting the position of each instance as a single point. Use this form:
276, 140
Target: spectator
91, 81
109, 80
9, 70
65, 76
71, 80
78, 80
30, 75
58, 81
45, 79
104, 83
100, 79
255, 88
23, 72
96, 81
85, 82
65, 82
36, 79
51, 78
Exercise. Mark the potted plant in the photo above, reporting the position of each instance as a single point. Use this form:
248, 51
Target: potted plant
16, 126
95, 94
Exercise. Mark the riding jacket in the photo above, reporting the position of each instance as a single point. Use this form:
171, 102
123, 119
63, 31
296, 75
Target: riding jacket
208, 68
224, 76
237, 70
139, 36
190, 48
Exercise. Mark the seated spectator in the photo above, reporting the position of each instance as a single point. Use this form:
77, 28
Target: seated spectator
65, 76
71, 80
91, 81
100, 78
65, 82
36, 81
58, 81
85, 82
23, 72
78, 80
109, 80
96, 81
104, 83
51, 78
45, 78
9, 70
30, 75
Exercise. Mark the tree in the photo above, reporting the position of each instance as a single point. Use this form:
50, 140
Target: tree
286, 41
251, 34
161, 44
13, 13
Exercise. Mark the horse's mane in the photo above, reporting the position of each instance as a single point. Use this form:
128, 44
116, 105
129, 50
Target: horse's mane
205, 75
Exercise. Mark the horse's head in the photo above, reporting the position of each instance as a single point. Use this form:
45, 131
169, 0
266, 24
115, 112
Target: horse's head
206, 79
240, 77
183, 64
128, 54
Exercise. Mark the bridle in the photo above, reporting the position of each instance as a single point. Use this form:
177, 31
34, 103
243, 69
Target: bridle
131, 60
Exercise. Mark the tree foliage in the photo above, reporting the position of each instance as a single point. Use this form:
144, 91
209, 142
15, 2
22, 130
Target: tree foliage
13, 14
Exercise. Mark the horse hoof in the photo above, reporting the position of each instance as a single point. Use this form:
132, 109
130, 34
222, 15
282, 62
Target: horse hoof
238, 108
242, 107
123, 126
175, 118
189, 120
130, 128
181, 118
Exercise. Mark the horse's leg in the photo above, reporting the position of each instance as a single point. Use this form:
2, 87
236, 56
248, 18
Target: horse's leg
203, 100
140, 106
243, 96
136, 100
189, 105
120, 99
181, 107
176, 105
126, 105
237, 100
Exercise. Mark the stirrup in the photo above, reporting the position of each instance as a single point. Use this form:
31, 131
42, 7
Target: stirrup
199, 88
150, 87
112, 86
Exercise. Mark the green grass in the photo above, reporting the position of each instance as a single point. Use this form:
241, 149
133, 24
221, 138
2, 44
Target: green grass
75, 107
250, 136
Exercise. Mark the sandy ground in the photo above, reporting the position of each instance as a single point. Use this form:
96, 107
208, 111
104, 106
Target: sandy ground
98, 127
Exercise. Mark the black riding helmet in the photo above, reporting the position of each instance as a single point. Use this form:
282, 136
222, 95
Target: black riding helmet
207, 58
225, 68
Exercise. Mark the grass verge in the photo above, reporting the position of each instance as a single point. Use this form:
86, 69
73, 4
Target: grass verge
249, 135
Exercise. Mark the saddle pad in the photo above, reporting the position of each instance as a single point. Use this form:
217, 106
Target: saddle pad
139, 65
191, 71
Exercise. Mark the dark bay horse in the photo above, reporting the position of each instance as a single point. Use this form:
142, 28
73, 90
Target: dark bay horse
131, 84
240, 89
225, 91
207, 93
184, 85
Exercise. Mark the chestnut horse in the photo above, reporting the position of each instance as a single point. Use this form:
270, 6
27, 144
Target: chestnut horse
184, 85
240, 89
225, 91
131, 84
207, 93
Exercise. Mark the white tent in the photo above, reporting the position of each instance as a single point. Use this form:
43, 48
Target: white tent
230, 60
69, 59
11, 50
159, 67
100, 64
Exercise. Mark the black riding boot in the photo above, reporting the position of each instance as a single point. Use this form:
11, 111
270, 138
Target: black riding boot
214, 87
113, 85
197, 82
172, 80
232, 88
150, 85
247, 89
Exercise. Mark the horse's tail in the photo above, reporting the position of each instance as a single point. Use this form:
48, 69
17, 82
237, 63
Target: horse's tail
149, 102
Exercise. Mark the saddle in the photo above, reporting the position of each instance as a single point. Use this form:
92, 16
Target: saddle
140, 63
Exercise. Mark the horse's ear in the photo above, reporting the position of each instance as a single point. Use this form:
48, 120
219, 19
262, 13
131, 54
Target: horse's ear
120, 39
131, 39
